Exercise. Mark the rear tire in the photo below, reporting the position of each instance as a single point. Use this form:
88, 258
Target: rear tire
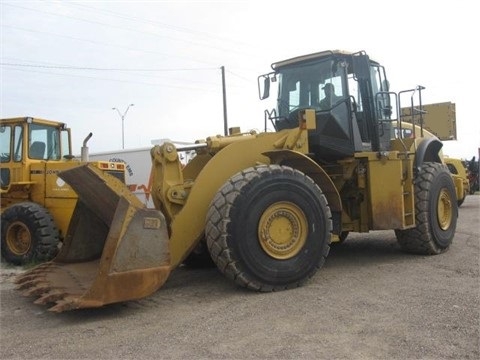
269, 228
29, 234
436, 212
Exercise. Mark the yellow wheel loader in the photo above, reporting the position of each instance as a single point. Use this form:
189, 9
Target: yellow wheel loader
266, 206
458, 169
36, 205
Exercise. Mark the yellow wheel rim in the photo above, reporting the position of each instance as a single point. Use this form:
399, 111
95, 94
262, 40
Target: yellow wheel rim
18, 238
444, 209
282, 230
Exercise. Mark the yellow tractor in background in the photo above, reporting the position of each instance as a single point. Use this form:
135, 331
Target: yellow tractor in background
264, 206
458, 169
36, 205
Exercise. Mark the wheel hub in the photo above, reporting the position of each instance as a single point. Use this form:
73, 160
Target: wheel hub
444, 210
19, 239
282, 230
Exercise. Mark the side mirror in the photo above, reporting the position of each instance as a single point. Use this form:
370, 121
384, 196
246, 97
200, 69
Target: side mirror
264, 86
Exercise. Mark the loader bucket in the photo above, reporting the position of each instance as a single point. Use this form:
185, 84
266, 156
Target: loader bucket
115, 249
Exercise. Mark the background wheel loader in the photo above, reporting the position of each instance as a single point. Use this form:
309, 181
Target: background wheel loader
36, 205
265, 205
458, 169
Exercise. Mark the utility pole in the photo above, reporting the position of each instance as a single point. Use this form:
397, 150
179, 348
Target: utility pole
122, 116
224, 92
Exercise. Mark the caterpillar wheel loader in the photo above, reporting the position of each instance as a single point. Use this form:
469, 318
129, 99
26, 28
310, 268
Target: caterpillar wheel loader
36, 205
266, 206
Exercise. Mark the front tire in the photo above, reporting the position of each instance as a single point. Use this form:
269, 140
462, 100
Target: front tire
29, 234
436, 212
269, 228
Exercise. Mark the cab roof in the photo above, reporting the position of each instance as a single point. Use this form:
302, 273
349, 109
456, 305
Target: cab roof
29, 119
314, 56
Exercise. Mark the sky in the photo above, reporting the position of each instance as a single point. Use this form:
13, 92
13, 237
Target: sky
73, 61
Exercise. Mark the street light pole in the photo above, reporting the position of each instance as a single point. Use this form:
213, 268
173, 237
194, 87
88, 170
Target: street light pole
122, 116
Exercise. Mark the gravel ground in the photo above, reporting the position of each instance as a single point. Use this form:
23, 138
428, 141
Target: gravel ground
370, 301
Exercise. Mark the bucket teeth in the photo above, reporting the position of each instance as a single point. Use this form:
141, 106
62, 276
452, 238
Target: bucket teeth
50, 297
38, 289
35, 283
25, 280
47, 294
36, 273
31, 282
62, 305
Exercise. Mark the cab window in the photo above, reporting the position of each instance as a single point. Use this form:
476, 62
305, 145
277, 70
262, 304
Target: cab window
5, 142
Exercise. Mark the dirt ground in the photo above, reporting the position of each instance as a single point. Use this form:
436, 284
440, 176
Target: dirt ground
370, 301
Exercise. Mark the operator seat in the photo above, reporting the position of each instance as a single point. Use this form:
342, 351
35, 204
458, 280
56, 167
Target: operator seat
37, 150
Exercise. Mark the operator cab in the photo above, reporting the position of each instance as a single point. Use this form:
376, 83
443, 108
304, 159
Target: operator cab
349, 93
35, 140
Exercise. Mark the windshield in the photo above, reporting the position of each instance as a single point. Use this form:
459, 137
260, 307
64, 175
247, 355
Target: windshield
318, 85
44, 142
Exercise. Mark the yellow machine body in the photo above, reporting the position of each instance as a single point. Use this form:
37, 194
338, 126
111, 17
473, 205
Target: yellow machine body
117, 250
266, 205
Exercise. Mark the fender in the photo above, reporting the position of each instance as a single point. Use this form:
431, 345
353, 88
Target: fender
428, 150
309, 167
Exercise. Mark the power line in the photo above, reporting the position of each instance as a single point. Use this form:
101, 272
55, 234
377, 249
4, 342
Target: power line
131, 70
156, 23
211, 88
119, 80
110, 44
100, 43
239, 76
87, 68
68, 67
124, 28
